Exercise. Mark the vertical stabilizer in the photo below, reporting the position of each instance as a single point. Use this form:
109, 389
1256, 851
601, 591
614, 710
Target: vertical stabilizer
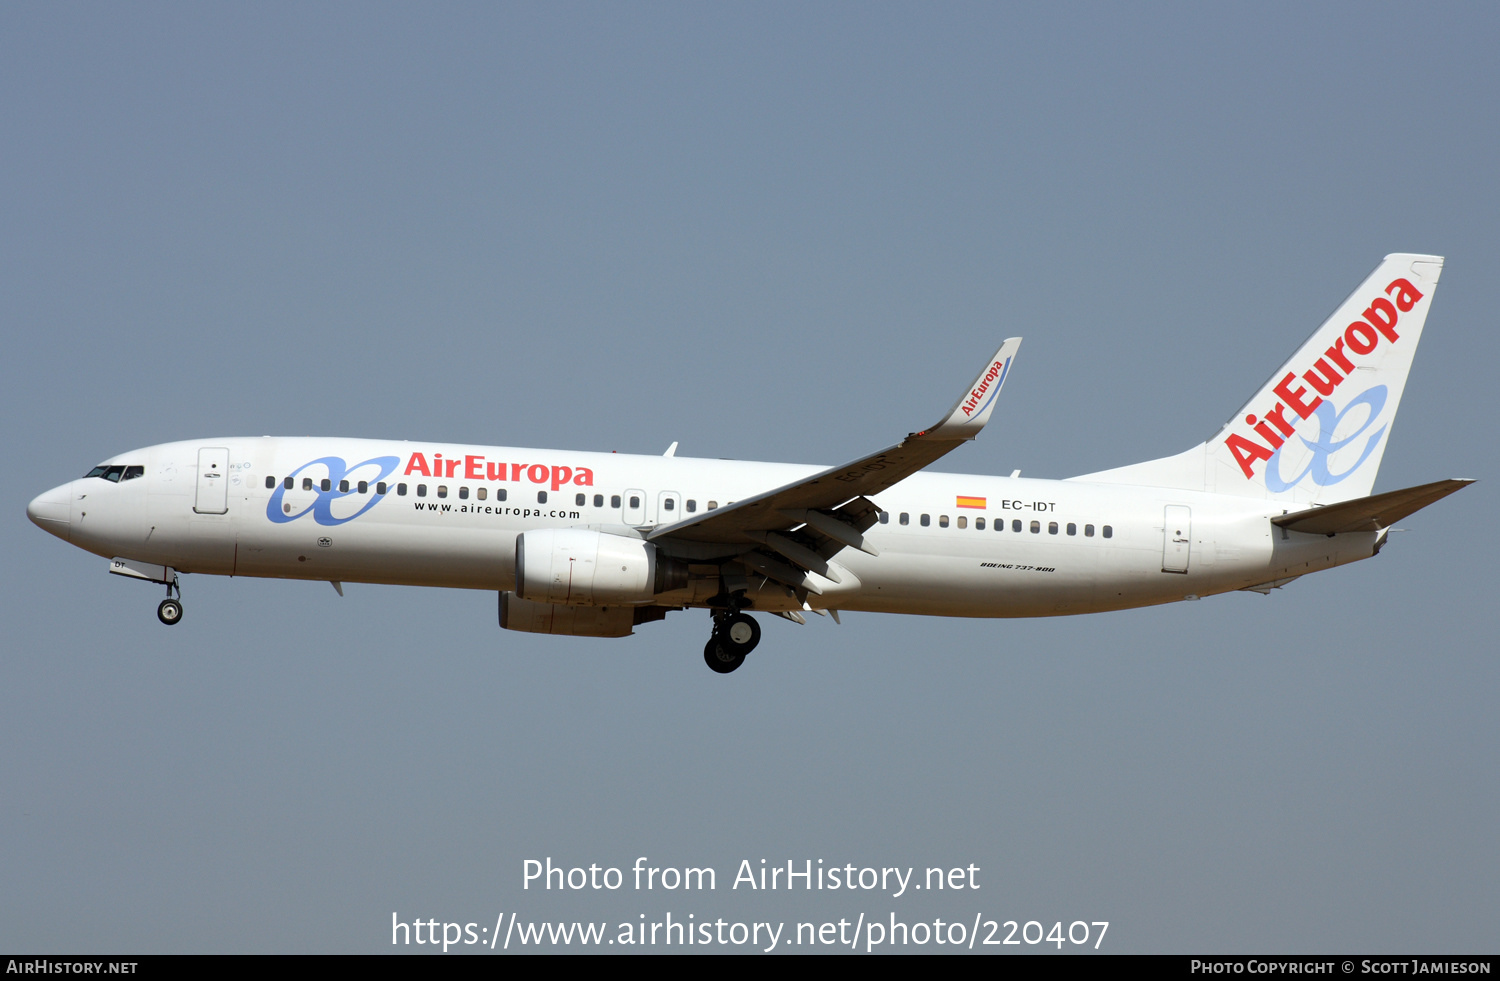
1316, 430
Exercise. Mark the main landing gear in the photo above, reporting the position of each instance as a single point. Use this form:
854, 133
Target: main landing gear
735, 635
169, 610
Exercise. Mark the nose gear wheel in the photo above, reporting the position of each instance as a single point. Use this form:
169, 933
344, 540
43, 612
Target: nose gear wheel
169, 611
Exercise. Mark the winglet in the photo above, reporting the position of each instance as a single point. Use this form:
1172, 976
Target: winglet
972, 410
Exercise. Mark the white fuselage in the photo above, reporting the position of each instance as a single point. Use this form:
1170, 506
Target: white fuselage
205, 506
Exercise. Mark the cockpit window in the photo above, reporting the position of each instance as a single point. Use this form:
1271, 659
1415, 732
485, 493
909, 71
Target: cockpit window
116, 474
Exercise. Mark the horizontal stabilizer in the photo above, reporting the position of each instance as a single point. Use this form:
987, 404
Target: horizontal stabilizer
1368, 513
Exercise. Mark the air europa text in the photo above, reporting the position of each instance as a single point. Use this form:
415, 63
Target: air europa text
972, 402
1360, 338
476, 467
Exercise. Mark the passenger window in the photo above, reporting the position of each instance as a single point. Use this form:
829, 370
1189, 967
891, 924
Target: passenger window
500, 493
421, 490
380, 488
692, 505
885, 517
400, 490
363, 487
942, 521
614, 500
307, 483
1036, 527
482, 493
1052, 527
270, 482
979, 524
905, 518
580, 499
1016, 525
463, 493
343, 487
1109, 532
442, 490
1072, 528
287, 483
327, 484
541, 497
668, 504
926, 520
713, 505
598, 500
1088, 531
635, 502
133, 472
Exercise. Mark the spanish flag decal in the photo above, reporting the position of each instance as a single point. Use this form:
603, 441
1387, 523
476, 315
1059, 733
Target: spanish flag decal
971, 502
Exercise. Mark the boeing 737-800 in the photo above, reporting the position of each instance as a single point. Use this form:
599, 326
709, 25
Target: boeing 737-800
595, 544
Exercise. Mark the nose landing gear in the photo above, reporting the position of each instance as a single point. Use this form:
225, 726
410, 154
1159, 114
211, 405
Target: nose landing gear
169, 610
734, 636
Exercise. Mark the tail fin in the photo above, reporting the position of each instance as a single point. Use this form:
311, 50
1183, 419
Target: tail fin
1316, 430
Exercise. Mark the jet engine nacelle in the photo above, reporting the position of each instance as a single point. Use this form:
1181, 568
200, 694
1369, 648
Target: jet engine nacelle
578, 567
575, 621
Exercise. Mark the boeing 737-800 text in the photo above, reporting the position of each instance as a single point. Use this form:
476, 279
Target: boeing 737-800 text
594, 544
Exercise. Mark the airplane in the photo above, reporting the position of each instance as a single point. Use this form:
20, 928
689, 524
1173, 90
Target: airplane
596, 544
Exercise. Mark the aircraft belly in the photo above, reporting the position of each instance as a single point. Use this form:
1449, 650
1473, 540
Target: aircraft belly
465, 558
977, 579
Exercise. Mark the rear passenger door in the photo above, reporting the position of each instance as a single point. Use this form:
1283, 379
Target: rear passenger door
1177, 537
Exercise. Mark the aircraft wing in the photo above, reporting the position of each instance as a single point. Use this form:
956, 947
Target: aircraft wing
841, 490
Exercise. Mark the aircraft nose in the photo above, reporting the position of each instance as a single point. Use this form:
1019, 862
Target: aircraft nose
53, 511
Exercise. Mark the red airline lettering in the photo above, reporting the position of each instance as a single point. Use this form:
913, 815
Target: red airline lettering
1360, 337
974, 396
1408, 296
1336, 352
1293, 397
1246, 452
1323, 377
1383, 316
1277, 419
475, 467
